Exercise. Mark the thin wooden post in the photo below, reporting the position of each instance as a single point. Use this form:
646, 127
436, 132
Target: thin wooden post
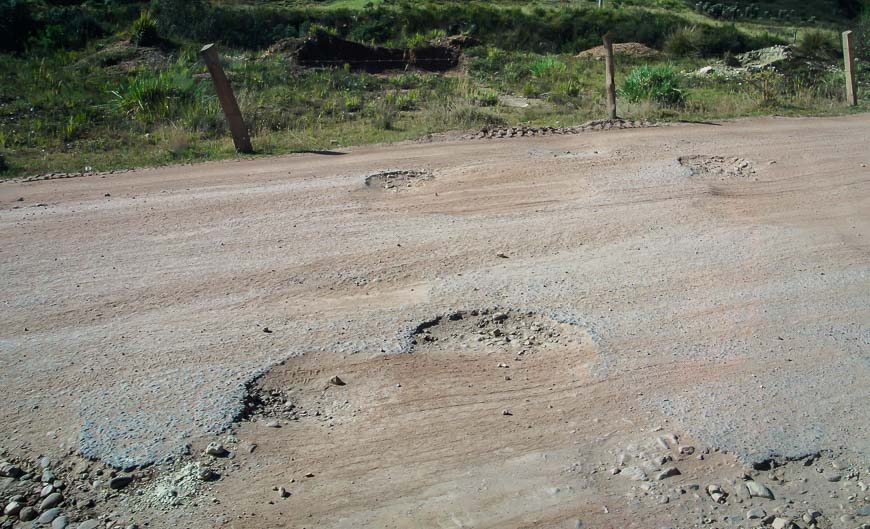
849, 59
239, 130
609, 82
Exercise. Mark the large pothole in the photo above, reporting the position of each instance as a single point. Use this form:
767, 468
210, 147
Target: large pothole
398, 180
718, 167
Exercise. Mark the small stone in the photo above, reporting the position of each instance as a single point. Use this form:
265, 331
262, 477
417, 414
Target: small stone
309, 475
119, 482
668, 472
47, 476
52, 500
207, 474
89, 524
216, 449
44, 462
273, 424
754, 514
687, 450
8, 470
26, 514
846, 518
48, 516
336, 381
781, 523
634, 474
833, 478
506, 412
499, 317
758, 490
46, 490
12, 508
863, 511
716, 493
60, 522
283, 493
663, 443
501, 255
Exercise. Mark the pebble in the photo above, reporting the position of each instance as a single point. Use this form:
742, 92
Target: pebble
863, 511
337, 381
8, 470
668, 472
89, 524
52, 500
754, 514
716, 493
273, 424
12, 508
27, 514
44, 462
46, 490
634, 474
207, 474
833, 478
499, 316
781, 523
48, 516
283, 493
47, 476
506, 412
216, 450
758, 490
60, 522
119, 482
687, 450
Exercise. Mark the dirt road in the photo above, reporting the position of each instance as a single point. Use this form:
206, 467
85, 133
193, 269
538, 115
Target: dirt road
515, 322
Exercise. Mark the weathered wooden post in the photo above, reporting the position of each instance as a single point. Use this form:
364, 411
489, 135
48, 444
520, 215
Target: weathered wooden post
849, 59
239, 130
609, 81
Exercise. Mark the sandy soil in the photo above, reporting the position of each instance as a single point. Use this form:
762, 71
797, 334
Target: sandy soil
702, 284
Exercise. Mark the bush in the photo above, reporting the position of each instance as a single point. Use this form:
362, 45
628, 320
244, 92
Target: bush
817, 43
17, 24
153, 97
653, 83
144, 31
683, 42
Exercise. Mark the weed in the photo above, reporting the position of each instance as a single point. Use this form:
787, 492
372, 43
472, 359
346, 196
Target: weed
653, 83
144, 31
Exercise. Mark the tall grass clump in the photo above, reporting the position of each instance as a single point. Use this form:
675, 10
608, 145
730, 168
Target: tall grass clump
153, 97
659, 84
144, 31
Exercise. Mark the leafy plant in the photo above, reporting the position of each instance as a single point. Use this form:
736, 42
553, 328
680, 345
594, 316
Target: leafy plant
144, 30
548, 66
653, 83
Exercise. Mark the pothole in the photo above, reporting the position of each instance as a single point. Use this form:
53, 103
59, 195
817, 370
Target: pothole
718, 167
494, 330
398, 180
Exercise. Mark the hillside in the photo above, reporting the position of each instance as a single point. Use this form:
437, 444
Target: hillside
96, 86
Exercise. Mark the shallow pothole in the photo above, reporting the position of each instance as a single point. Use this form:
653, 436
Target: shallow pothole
398, 180
718, 167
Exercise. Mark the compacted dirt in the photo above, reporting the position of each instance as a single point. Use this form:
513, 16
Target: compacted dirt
663, 327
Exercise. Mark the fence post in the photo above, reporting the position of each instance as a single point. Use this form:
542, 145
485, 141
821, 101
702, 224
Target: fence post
609, 82
849, 59
239, 130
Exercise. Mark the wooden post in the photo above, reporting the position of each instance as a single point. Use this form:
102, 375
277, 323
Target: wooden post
609, 82
241, 139
849, 59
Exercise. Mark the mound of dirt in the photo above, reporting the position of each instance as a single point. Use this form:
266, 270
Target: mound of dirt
631, 49
329, 50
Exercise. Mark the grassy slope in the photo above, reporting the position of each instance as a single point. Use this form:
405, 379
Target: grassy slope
84, 109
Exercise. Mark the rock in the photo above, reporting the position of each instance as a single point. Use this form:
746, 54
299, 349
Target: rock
687, 450
863, 511
207, 474
663, 443
634, 474
27, 514
716, 493
89, 524
44, 462
119, 482
273, 424
506, 412
668, 472
781, 523
47, 476
12, 508
53, 500
283, 493
46, 490
60, 522
216, 450
499, 317
833, 478
758, 490
48, 516
754, 514
336, 381
8, 470
309, 475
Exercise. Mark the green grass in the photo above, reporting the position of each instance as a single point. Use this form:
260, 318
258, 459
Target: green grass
107, 104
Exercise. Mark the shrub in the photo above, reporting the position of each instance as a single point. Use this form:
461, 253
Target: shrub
683, 42
653, 83
17, 24
3, 165
817, 43
152, 97
144, 31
